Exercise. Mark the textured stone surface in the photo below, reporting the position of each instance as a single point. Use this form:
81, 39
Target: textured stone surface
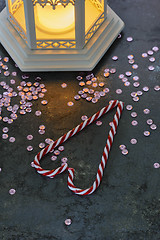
126, 205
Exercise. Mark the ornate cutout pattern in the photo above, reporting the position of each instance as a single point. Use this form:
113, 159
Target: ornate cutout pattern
53, 3
17, 27
94, 28
98, 4
16, 5
56, 44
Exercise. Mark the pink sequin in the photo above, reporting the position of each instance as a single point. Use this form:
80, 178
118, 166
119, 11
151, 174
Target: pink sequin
119, 91
149, 121
133, 141
145, 89
151, 68
68, 222
114, 58
153, 127
41, 145
156, 165
64, 160
57, 152
134, 123
61, 148
129, 39
134, 114
30, 137
12, 139
146, 111
122, 147
129, 107
12, 191
99, 123
70, 104
84, 118
124, 151
157, 88
54, 158
146, 133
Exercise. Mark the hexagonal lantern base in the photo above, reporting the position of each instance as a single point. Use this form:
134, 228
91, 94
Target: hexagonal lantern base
60, 60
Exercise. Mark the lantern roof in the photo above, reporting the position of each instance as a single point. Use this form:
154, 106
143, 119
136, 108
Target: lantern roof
53, 3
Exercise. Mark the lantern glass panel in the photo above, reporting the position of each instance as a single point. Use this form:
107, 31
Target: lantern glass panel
16, 10
58, 23
93, 11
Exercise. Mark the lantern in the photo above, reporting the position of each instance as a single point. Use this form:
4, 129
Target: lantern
58, 35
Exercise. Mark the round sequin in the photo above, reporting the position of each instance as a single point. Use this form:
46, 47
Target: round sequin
38, 113
130, 57
56, 152
61, 148
44, 102
89, 82
112, 70
156, 165
124, 151
30, 137
133, 114
152, 59
89, 99
155, 49
115, 58
121, 76
119, 91
4, 136
145, 89
149, 121
99, 123
94, 85
134, 123
146, 133
70, 104
134, 66
64, 159
136, 99
146, 111
122, 147
12, 139
102, 94
84, 95
150, 52
157, 88
133, 141
41, 131
139, 93
151, 68
12, 191
144, 55
153, 127
5, 129
94, 100
124, 79
32, 164
129, 39
68, 222
106, 74
128, 74
129, 107
127, 84
84, 118
41, 145
131, 61
77, 97
81, 83
106, 90
54, 158
101, 84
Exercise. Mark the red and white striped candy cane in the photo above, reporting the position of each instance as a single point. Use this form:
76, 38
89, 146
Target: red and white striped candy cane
64, 167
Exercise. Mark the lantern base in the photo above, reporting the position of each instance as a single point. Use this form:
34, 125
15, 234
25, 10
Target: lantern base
60, 60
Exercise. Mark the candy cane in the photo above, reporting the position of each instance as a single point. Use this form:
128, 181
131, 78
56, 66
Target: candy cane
64, 167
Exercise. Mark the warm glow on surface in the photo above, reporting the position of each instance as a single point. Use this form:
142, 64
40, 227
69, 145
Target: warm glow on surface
60, 20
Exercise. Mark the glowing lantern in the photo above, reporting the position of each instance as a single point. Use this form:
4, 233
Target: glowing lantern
58, 35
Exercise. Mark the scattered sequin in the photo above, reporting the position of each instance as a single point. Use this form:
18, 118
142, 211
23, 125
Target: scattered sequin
57, 152
134, 66
155, 49
129, 107
54, 158
77, 97
30, 137
134, 114
145, 89
130, 57
156, 165
146, 111
64, 160
81, 83
68, 222
41, 145
144, 55
127, 84
129, 39
135, 78
134, 123
99, 123
61, 148
151, 68
119, 91
152, 59
84, 118
124, 151
133, 141
112, 70
101, 84
5, 129
44, 102
4, 136
149, 121
122, 147
70, 104
136, 84
146, 133
157, 88
115, 58
32, 164
128, 74
38, 113
136, 99
150, 52
153, 127
12, 139
12, 191
106, 74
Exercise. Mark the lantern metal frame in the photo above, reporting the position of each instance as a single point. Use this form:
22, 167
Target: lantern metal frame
79, 54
